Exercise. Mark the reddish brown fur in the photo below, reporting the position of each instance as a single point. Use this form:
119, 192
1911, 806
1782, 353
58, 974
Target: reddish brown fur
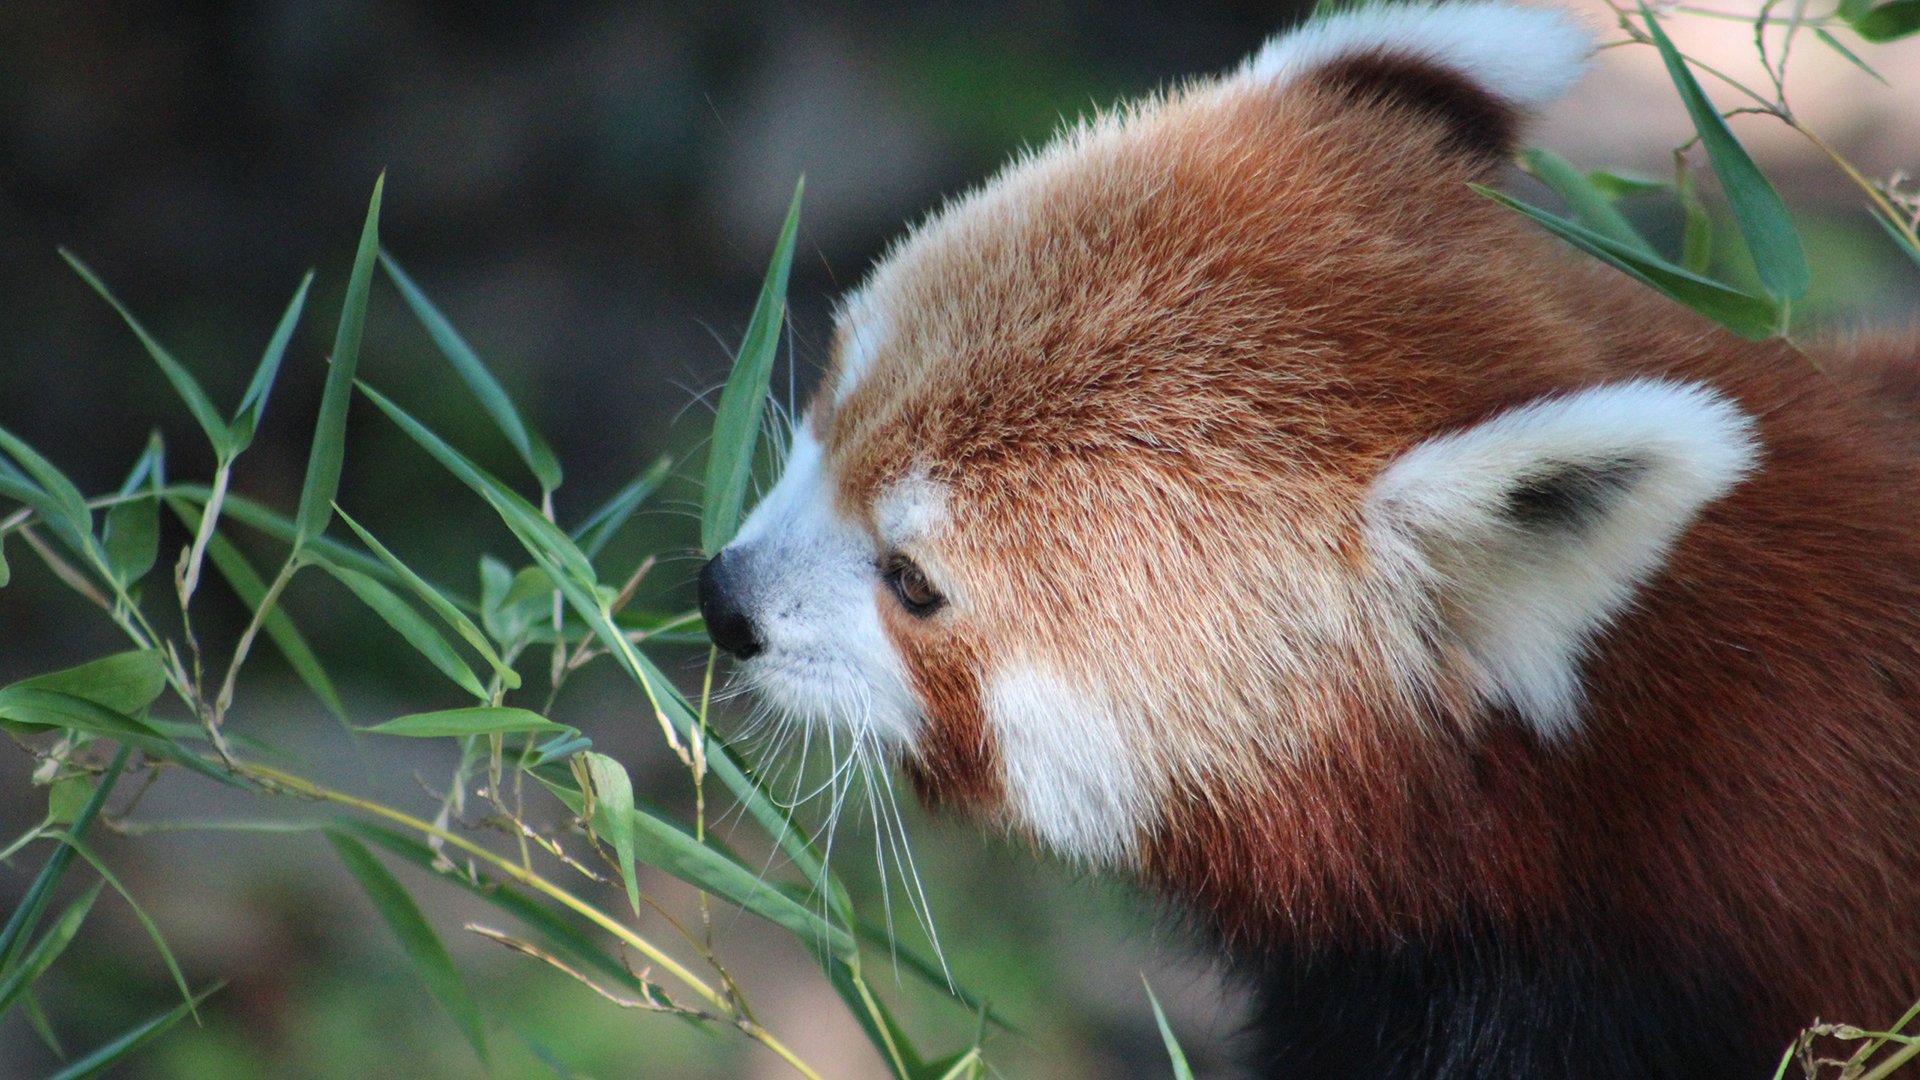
1243, 310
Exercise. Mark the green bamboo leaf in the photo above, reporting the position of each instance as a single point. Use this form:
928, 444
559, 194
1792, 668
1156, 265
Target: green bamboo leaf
25, 709
124, 682
1888, 22
736, 424
21, 923
409, 624
6, 571
570, 571
1893, 233
140, 913
1618, 185
132, 538
246, 582
52, 494
183, 381
1590, 207
1696, 237
567, 937
1181, 1070
417, 938
593, 533
1749, 316
437, 601
246, 419
40, 956
43, 1027
613, 815
1757, 209
876, 1020
663, 845
484, 720
466, 363
330, 433
1847, 54
132, 1039
66, 797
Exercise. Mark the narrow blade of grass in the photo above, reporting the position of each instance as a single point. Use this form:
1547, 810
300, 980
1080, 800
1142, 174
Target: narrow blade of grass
486, 720
1751, 317
246, 419
592, 534
286, 637
467, 364
417, 938
265, 519
35, 960
330, 432
21, 923
27, 709
183, 381
1899, 238
736, 424
613, 815
437, 601
1590, 207
409, 624
100, 1060
1771, 237
1181, 1070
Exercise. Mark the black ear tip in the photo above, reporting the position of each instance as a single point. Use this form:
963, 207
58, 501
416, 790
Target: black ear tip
1478, 122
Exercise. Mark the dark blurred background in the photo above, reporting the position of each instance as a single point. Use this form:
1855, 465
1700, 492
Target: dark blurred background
590, 193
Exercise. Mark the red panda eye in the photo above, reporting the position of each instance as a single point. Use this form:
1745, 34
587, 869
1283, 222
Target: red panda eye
911, 587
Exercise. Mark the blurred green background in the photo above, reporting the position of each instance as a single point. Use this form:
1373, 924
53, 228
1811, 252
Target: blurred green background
589, 192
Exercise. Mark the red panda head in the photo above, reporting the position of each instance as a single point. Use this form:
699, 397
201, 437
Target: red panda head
1228, 435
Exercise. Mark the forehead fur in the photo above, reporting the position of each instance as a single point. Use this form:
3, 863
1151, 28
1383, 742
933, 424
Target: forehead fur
1233, 274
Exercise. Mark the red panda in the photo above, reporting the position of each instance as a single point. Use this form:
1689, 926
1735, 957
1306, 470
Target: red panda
1515, 673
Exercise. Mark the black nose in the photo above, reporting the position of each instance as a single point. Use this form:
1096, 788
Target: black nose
729, 626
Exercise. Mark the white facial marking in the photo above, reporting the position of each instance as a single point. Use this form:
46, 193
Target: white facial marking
910, 510
867, 329
808, 581
1070, 775
1527, 56
1532, 593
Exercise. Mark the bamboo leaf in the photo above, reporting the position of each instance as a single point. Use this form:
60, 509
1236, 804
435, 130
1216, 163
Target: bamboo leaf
1888, 22
466, 363
27, 709
246, 419
437, 602
330, 433
55, 497
417, 938
613, 815
736, 424
132, 1039
570, 571
1757, 209
183, 381
1181, 1070
419, 633
1749, 316
124, 682
22, 921
1899, 238
34, 962
593, 533
267, 520
487, 720
140, 913
132, 538
1590, 207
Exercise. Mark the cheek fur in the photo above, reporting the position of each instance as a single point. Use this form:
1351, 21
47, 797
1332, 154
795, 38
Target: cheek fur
953, 761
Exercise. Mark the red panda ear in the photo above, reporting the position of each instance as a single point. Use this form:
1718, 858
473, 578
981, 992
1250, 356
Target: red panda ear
1527, 533
1479, 67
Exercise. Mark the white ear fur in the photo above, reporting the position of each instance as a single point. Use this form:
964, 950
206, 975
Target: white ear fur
1525, 56
1532, 530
